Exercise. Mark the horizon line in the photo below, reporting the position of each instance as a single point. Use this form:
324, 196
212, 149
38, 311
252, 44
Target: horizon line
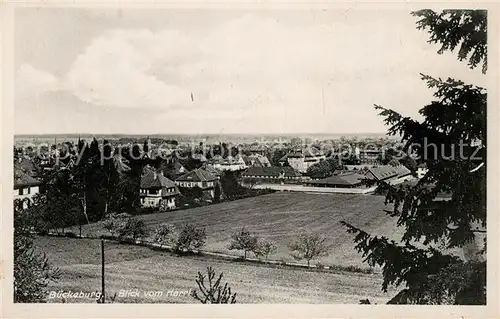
197, 134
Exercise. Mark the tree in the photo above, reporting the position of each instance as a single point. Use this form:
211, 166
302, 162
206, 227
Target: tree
230, 185
250, 182
277, 155
190, 237
133, 227
131, 179
57, 207
386, 157
217, 193
214, 292
324, 168
455, 122
32, 270
165, 234
308, 247
243, 240
409, 163
112, 169
264, 248
350, 159
110, 224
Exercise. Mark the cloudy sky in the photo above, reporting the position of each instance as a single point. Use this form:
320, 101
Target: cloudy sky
273, 71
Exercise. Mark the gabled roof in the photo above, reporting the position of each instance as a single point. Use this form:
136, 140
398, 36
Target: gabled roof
271, 171
402, 170
284, 158
212, 170
196, 175
305, 153
179, 168
246, 159
386, 171
259, 160
21, 179
382, 172
151, 179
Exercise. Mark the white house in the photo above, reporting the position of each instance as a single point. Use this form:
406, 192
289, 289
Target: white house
231, 163
302, 160
25, 186
198, 178
157, 191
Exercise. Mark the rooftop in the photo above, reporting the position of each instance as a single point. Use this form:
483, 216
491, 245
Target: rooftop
347, 179
196, 175
152, 179
271, 171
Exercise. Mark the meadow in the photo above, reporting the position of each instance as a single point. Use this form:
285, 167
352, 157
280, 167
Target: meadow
281, 217
141, 270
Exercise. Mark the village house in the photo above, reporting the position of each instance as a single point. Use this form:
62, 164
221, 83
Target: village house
157, 191
389, 174
212, 170
25, 187
368, 156
230, 163
258, 160
271, 175
340, 180
302, 160
258, 149
200, 178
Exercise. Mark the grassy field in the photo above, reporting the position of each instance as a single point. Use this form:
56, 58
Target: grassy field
141, 269
281, 217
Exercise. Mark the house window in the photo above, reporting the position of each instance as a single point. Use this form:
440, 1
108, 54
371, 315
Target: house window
29, 190
20, 191
153, 191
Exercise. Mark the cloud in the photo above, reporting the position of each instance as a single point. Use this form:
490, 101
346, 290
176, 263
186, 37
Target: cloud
31, 82
114, 70
256, 73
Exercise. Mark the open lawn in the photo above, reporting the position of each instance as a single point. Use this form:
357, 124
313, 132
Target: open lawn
141, 269
281, 217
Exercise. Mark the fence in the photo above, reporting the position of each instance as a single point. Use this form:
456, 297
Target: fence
312, 189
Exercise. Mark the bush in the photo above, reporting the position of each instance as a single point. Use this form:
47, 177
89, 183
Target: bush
352, 268
32, 270
243, 240
147, 211
213, 291
308, 247
190, 238
264, 248
165, 234
134, 228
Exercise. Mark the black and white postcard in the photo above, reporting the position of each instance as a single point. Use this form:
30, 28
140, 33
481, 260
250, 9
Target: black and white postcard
292, 159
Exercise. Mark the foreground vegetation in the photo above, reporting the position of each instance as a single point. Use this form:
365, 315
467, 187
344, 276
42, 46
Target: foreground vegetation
281, 218
133, 267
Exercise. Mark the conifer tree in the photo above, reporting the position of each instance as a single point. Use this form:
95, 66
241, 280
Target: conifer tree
451, 141
32, 270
